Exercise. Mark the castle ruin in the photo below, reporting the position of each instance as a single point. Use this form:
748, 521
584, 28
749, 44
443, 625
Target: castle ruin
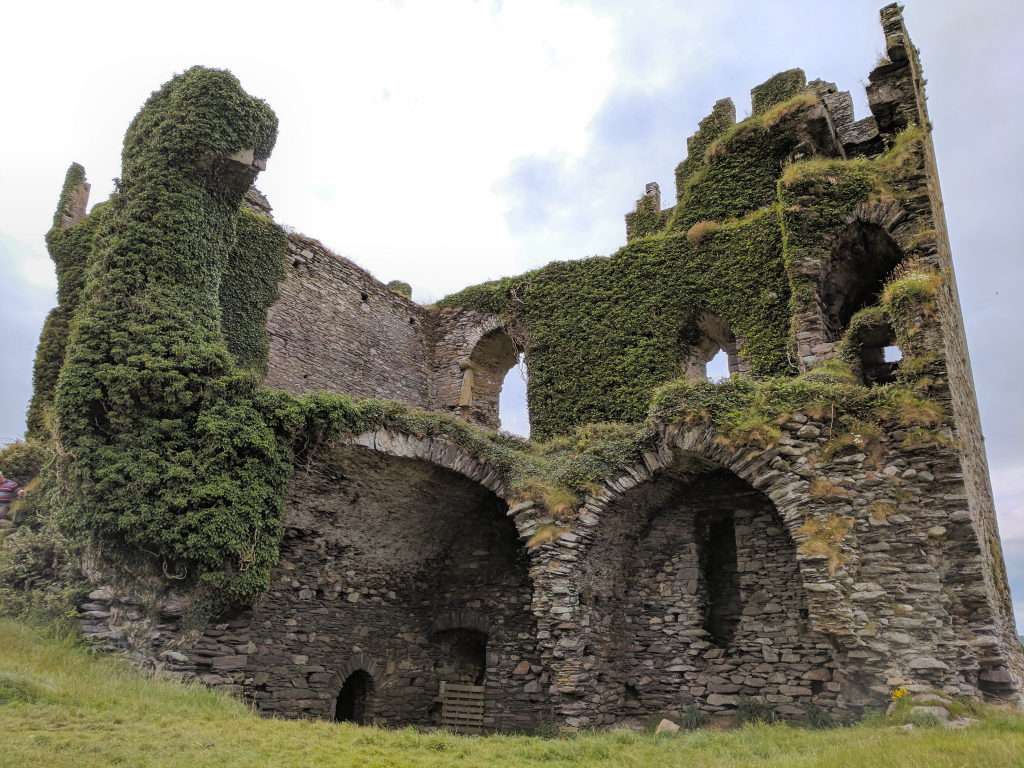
816, 557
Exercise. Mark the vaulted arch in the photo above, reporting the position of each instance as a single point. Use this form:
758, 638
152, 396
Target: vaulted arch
400, 573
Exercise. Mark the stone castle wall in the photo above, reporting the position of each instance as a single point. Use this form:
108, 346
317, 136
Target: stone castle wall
337, 328
685, 581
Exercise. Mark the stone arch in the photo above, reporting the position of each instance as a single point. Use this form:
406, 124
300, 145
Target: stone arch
476, 635
861, 256
374, 674
473, 353
434, 450
464, 619
389, 538
358, 661
714, 333
599, 646
701, 573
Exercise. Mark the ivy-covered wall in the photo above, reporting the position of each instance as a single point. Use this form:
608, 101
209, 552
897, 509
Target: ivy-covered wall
248, 288
604, 332
163, 446
72, 252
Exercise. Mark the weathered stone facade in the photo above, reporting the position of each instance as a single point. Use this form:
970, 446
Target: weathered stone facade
685, 580
337, 328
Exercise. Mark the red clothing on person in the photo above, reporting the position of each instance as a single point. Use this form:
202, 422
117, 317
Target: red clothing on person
8, 490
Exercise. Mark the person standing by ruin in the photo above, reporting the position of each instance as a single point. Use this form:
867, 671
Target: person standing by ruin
8, 490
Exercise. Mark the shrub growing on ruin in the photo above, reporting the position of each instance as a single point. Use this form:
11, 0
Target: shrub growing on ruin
695, 235
22, 460
693, 717
817, 717
402, 289
824, 538
546, 533
754, 709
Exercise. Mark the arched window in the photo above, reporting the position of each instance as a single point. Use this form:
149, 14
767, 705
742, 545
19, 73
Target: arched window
717, 367
484, 375
714, 355
513, 413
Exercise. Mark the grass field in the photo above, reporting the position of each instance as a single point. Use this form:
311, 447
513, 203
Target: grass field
60, 706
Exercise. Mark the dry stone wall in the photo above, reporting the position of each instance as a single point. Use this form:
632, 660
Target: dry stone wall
337, 328
684, 581
407, 565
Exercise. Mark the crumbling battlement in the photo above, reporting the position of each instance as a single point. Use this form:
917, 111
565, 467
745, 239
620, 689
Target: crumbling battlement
814, 531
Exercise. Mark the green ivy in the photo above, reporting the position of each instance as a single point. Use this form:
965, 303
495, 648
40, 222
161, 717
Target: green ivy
72, 253
741, 179
604, 332
248, 288
777, 89
164, 447
646, 220
167, 445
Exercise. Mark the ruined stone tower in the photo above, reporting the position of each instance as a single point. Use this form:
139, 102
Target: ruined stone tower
818, 529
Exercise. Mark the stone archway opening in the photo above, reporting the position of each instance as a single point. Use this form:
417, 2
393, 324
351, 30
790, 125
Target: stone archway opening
715, 354
853, 275
351, 704
415, 566
483, 376
698, 584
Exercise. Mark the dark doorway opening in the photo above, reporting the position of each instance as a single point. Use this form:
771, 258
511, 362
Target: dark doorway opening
854, 274
351, 707
722, 572
463, 656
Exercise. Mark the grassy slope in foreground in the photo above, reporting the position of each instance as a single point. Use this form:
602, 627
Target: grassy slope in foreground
59, 706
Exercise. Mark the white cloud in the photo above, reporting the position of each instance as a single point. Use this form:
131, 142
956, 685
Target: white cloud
395, 119
39, 270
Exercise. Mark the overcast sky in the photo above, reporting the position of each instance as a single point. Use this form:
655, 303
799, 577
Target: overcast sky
448, 143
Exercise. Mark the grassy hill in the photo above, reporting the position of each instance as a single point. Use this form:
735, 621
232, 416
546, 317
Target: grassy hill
61, 705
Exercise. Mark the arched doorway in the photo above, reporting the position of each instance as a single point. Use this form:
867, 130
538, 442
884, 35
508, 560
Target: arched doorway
350, 706
408, 570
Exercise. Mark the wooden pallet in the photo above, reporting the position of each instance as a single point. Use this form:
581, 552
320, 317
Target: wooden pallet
462, 708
